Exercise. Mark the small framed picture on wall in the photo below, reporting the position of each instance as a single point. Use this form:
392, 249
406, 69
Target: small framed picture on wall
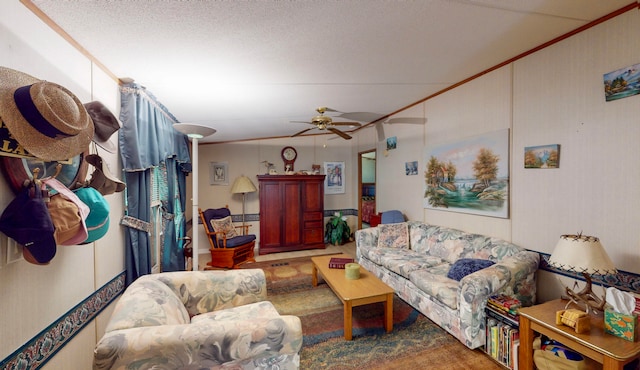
219, 173
334, 177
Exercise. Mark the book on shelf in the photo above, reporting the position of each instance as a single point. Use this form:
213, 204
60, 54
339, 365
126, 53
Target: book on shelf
503, 316
510, 306
339, 263
503, 336
505, 303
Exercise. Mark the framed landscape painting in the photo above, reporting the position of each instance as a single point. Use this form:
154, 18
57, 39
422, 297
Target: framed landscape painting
469, 176
542, 156
623, 83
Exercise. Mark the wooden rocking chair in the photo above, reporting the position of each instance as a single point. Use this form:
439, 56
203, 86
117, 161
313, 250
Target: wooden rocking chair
227, 251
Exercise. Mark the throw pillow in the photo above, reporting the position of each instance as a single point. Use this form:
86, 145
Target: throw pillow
466, 266
393, 235
224, 225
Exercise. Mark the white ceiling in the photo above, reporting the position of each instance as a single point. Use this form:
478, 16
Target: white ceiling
248, 68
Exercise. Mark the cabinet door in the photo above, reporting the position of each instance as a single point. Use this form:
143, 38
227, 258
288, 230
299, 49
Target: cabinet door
292, 227
271, 206
313, 196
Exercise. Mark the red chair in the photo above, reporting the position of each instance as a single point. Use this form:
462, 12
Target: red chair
227, 251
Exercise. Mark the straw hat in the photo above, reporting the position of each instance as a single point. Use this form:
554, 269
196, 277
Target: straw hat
45, 118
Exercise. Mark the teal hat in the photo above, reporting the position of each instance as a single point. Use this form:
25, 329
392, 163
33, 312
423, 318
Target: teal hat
98, 219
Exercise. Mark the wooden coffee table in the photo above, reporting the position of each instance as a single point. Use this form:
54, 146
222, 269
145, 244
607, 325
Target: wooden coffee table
367, 289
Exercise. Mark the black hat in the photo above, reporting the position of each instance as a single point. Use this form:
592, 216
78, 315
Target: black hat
105, 124
26, 220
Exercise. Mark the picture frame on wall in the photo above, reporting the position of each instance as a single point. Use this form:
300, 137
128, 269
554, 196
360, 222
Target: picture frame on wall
411, 168
219, 173
469, 176
334, 181
542, 156
622, 83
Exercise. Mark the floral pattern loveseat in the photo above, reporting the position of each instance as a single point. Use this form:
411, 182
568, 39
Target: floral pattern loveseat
199, 320
415, 259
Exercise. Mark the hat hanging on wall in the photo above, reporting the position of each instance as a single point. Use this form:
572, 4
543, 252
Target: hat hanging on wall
26, 220
45, 118
105, 125
102, 179
98, 218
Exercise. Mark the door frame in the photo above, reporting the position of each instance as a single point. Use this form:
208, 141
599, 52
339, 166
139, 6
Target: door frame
360, 155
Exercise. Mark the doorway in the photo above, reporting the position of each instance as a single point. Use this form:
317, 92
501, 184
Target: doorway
366, 187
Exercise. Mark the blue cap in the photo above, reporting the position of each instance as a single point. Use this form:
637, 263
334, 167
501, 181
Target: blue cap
98, 219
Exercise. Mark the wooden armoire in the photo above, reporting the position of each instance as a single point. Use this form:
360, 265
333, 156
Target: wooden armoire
291, 212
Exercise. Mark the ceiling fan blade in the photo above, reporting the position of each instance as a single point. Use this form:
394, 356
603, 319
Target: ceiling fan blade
361, 116
355, 124
301, 132
407, 120
338, 132
327, 109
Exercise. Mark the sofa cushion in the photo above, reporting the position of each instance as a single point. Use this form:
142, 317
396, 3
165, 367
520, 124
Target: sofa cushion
491, 248
435, 283
419, 234
466, 266
393, 235
401, 261
264, 309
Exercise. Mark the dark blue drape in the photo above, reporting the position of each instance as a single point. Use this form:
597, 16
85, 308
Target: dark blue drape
147, 138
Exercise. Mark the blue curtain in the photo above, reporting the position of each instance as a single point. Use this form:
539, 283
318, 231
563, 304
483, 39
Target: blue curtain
147, 139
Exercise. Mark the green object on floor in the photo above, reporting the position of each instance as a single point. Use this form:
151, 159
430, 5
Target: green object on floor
337, 231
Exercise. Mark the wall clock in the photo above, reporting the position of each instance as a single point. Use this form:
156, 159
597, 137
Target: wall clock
289, 155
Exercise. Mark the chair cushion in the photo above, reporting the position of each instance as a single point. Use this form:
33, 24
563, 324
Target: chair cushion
225, 226
392, 217
212, 213
240, 240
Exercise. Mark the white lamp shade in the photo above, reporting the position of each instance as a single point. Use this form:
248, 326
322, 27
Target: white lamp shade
581, 253
194, 130
243, 185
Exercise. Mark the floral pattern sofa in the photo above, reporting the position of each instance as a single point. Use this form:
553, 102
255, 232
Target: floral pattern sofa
199, 320
415, 259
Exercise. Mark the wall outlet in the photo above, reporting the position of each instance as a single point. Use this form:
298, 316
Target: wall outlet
14, 251
3, 250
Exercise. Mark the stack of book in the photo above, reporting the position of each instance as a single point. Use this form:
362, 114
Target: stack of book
506, 305
503, 337
339, 263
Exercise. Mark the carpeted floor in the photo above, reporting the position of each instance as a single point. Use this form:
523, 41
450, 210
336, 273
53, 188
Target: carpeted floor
415, 341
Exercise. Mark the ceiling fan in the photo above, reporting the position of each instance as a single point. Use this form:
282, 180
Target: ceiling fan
323, 122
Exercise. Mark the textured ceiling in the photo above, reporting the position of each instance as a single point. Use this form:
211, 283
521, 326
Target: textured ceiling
248, 68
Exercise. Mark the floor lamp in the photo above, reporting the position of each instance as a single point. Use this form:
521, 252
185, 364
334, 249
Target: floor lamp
194, 132
243, 185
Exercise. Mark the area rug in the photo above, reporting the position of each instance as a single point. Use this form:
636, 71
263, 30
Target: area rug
415, 341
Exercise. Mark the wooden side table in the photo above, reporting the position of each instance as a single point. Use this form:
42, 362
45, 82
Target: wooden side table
612, 352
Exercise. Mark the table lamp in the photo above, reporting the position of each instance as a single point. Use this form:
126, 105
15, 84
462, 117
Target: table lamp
583, 254
194, 132
243, 185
